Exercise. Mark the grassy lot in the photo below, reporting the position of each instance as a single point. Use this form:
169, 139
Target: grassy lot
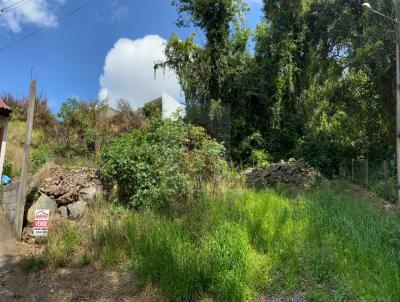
326, 244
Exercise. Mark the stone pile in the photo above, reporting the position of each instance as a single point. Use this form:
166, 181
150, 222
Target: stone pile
294, 172
68, 192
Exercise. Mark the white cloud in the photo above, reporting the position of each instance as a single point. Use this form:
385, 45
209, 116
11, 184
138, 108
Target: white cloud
120, 14
129, 72
36, 12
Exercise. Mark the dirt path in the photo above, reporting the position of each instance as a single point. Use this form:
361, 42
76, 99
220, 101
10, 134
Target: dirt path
9, 257
7, 244
69, 284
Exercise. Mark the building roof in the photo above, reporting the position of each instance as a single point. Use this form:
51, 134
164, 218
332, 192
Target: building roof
4, 109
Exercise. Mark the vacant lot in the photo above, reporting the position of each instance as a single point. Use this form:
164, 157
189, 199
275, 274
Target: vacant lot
324, 245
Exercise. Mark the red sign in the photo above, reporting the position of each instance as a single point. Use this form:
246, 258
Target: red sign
41, 223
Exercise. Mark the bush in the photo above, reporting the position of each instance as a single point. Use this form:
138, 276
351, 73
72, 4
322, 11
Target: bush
39, 157
260, 158
164, 162
8, 167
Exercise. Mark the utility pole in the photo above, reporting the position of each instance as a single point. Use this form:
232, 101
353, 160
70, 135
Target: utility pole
367, 7
397, 3
25, 164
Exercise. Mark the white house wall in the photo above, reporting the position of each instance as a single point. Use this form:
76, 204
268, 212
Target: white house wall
170, 106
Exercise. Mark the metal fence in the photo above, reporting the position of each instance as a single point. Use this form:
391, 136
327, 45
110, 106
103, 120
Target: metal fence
377, 175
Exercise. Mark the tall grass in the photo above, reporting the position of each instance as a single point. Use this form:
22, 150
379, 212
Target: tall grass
326, 244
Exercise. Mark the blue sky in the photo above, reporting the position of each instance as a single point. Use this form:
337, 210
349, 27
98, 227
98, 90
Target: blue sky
105, 48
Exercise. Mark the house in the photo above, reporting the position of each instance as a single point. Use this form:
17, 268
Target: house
168, 106
5, 113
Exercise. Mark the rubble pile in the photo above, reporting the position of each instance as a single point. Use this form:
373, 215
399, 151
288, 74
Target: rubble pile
64, 185
69, 192
294, 172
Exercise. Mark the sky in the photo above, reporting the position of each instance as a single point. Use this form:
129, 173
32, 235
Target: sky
105, 50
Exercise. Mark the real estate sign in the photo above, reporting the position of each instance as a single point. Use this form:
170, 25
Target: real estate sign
41, 223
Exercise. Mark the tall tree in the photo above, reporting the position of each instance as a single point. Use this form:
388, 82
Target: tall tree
213, 76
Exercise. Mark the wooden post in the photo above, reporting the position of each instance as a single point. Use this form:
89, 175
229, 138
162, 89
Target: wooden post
366, 173
397, 6
352, 170
25, 163
385, 175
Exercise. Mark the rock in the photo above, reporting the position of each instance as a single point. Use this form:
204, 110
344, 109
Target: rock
43, 203
78, 209
69, 197
88, 195
63, 211
64, 184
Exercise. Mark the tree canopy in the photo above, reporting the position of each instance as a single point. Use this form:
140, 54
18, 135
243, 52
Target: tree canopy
318, 84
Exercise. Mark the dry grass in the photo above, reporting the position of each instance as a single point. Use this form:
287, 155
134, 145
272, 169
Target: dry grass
15, 145
36, 180
15, 154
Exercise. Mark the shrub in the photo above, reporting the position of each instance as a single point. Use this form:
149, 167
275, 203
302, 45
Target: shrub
260, 158
8, 167
165, 161
39, 157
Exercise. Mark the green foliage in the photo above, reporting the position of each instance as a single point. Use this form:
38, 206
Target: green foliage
217, 78
161, 164
386, 189
8, 167
152, 110
87, 259
84, 126
61, 251
319, 84
328, 244
33, 264
252, 150
219, 264
259, 158
39, 157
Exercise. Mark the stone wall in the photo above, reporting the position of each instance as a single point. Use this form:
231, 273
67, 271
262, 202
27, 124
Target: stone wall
9, 205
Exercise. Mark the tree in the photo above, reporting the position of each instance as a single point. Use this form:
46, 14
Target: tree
218, 77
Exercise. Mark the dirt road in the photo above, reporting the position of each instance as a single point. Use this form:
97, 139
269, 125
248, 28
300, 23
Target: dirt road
9, 257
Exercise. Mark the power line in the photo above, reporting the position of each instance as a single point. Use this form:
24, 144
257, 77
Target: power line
13, 5
6, 10
47, 26
5, 3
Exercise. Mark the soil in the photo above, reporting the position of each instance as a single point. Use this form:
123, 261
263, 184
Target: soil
292, 173
66, 284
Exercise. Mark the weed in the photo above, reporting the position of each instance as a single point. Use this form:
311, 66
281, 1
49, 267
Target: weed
326, 243
33, 264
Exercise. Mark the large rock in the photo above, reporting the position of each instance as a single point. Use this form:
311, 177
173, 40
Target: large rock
63, 211
69, 197
88, 195
78, 209
43, 203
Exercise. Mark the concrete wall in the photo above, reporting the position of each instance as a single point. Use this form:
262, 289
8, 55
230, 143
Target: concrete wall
10, 206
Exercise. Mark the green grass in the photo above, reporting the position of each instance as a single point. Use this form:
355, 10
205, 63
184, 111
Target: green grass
325, 243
